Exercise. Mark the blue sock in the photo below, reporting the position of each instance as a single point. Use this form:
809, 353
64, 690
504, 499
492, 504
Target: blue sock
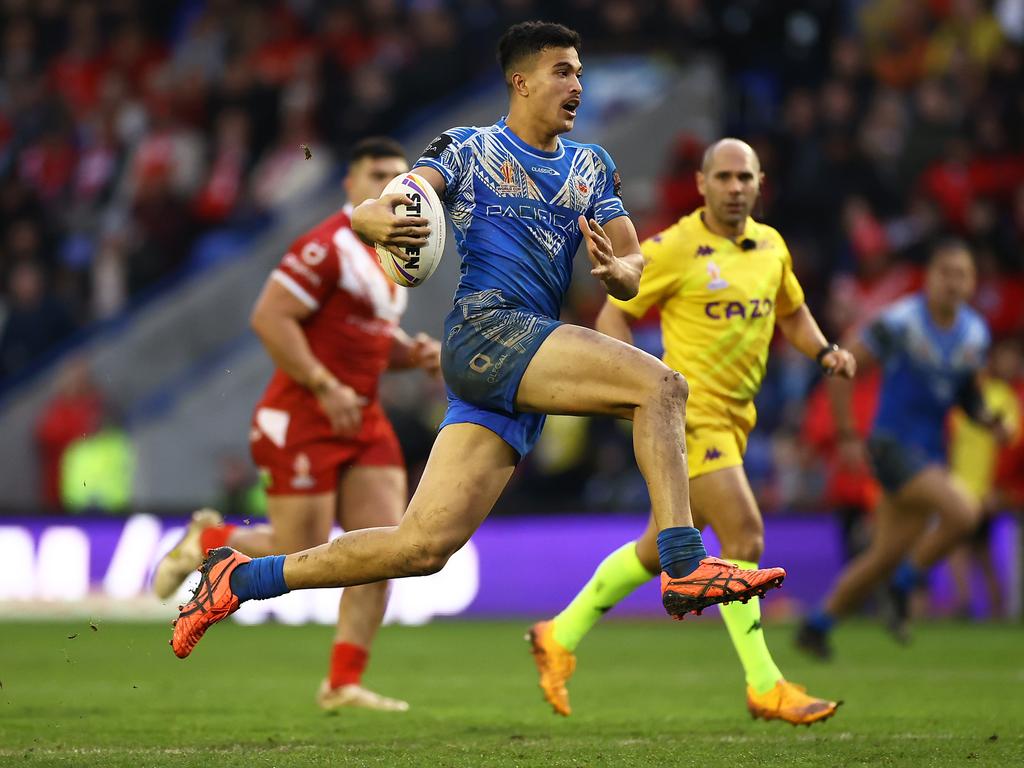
259, 579
906, 578
821, 620
680, 551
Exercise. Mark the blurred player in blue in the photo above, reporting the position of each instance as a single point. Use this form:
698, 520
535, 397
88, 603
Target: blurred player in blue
522, 200
931, 347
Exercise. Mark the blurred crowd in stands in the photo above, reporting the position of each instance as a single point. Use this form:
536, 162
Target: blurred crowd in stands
140, 140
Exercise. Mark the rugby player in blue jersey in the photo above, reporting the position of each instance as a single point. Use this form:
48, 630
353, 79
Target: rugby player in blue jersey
521, 200
931, 347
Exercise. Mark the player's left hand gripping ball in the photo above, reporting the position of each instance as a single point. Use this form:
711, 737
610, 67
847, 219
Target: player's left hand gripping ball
411, 264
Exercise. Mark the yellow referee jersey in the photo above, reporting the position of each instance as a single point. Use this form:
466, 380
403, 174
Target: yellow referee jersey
973, 449
718, 302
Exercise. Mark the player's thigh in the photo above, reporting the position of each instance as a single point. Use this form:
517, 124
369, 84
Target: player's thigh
577, 370
370, 496
724, 500
301, 521
468, 468
897, 525
935, 490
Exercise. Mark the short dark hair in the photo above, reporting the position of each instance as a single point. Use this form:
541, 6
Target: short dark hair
948, 244
530, 37
375, 147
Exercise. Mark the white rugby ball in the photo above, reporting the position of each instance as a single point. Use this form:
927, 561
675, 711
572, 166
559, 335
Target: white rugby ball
422, 261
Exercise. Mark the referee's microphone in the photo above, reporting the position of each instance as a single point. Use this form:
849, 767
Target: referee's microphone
748, 244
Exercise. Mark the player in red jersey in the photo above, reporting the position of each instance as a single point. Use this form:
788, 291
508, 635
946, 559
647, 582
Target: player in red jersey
328, 316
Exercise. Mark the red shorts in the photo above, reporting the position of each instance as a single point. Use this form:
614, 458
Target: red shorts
299, 455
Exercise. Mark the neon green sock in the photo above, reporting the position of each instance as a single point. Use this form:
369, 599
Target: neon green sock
617, 576
743, 620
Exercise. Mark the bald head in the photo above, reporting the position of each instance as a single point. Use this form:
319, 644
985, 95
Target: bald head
731, 149
730, 181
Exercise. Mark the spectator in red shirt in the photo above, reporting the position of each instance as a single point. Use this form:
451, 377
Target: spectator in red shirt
75, 411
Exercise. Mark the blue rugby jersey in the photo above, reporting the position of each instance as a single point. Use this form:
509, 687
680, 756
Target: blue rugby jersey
514, 209
923, 369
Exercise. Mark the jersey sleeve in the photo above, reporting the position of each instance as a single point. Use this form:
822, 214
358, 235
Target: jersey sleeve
444, 155
882, 335
660, 279
607, 200
790, 296
310, 270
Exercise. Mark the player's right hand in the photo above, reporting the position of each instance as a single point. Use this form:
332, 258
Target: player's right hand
376, 222
343, 407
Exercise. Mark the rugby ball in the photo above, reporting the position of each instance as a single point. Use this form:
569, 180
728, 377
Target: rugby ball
422, 261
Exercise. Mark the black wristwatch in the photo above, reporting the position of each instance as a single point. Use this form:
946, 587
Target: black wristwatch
824, 351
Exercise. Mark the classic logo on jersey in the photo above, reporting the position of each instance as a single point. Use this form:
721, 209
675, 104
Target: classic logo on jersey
711, 454
302, 479
438, 146
543, 169
715, 282
704, 250
751, 310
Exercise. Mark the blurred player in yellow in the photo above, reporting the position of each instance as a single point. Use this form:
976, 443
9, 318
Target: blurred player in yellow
973, 458
722, 282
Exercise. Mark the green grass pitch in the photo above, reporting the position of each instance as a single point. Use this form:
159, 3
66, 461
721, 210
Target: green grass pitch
645, 694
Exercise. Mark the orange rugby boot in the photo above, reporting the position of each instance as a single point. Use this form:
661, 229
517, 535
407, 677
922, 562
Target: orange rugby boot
555, 665
715, 581
789, 702
212, 601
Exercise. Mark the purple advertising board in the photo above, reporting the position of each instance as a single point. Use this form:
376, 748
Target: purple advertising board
513, 567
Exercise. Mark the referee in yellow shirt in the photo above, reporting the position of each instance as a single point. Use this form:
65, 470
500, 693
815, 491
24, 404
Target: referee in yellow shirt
722, 282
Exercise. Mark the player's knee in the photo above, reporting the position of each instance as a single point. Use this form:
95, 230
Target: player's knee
670, 389
965, 518
745, 545
750, 549
426, 559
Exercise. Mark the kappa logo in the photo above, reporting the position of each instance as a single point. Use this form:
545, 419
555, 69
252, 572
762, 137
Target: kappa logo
716, 281
711, 454
704, 250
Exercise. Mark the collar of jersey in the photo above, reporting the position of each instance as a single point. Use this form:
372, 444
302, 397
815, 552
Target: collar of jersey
699, 215
522, 146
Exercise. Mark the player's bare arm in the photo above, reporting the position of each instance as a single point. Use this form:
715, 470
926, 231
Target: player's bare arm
615, 322
614, 251
840, 391
419, 351
802, 331
277, 319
